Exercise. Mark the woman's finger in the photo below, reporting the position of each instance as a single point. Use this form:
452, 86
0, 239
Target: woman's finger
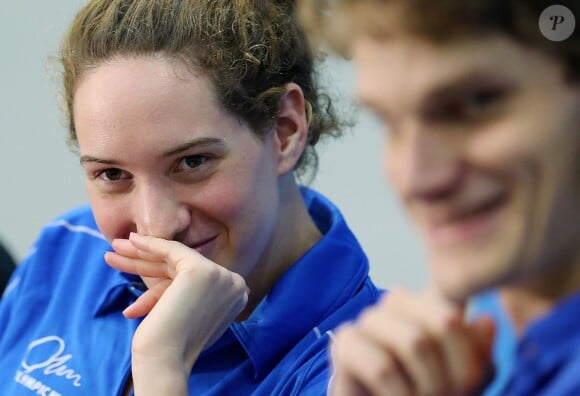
137, 266
145, 303
171, 252
125, 248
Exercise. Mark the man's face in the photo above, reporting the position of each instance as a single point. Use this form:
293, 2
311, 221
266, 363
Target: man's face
484, 152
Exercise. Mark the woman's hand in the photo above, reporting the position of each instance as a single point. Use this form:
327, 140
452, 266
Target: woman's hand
412, 345
190, 302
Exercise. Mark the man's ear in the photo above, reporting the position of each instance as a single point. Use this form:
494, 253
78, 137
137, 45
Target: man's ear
291, 128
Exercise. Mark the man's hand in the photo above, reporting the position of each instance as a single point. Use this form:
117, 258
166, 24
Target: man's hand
412, 345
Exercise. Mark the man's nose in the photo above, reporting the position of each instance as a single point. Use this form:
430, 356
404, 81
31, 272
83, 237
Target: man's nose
159, 212
425, 165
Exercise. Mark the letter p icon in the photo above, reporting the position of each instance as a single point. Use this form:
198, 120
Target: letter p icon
556, 20
557, 23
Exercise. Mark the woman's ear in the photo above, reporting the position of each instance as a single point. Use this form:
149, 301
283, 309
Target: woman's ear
291, 128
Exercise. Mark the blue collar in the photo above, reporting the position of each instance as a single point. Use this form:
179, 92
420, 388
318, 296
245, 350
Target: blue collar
547, 360
274, 327
122, 290
552, 336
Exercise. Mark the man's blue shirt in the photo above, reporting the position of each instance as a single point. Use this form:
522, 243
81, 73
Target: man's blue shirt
545, 361
505, 340
62, 331
548, 355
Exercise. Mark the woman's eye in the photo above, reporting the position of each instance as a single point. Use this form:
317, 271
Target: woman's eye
194, 161
112, 174
195, 167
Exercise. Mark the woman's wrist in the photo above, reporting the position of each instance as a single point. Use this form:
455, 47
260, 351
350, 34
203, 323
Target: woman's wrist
160, 377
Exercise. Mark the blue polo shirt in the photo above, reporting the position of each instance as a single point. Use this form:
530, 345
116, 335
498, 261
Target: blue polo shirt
504, 346
62, 331
548, 355
545, 361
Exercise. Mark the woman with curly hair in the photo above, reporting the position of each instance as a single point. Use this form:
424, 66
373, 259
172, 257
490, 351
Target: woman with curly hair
192, 119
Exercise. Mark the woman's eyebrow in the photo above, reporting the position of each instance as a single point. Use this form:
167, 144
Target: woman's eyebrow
197, 142
89, 158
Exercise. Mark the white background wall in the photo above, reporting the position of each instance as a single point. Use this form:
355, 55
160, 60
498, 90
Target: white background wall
40, 177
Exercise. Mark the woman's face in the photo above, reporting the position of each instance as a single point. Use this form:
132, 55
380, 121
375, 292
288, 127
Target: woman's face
484, 152
162, 158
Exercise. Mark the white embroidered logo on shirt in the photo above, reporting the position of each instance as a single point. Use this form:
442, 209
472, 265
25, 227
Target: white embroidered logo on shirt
53, 364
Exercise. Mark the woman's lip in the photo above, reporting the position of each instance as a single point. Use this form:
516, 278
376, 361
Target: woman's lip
204, 247
471, 225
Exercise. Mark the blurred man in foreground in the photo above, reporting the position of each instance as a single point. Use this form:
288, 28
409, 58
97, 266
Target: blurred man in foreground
481, 101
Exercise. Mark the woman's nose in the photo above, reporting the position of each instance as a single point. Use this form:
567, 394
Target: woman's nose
159, 212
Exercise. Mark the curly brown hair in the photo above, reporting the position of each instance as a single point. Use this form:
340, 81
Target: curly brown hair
249, 49
337, 21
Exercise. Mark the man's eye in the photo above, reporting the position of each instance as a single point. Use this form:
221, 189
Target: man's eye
469, 105
482, 100
481, 103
